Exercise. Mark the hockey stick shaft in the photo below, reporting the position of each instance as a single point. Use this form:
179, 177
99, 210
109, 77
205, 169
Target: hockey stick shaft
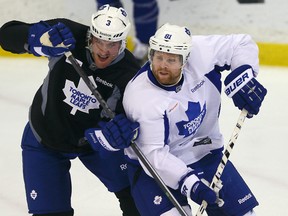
45, 40
225, 158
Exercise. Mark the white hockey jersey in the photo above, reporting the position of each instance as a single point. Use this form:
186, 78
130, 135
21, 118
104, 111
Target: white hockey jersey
179, 125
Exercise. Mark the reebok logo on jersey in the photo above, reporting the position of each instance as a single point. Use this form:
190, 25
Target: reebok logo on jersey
195, 117
244, 199
80, 98
197, 86
104, 82
123, 166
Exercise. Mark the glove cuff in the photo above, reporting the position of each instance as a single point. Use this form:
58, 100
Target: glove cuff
98, 136
237, 79
188, 183
37, 51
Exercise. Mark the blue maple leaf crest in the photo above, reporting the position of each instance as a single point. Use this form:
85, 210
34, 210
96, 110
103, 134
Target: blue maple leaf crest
195, 117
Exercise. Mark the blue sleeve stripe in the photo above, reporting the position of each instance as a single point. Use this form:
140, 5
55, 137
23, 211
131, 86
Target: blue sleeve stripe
215, 75
166, 126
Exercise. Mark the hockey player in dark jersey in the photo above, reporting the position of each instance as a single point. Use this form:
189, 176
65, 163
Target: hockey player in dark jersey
64, 107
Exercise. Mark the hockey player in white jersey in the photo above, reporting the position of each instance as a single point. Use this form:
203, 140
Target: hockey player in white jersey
176, 98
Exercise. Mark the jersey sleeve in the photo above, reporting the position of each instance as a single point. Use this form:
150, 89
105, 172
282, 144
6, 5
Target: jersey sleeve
14, 34
224, 50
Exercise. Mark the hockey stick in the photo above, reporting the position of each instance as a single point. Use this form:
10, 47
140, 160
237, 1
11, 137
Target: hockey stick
225, 158
45, 41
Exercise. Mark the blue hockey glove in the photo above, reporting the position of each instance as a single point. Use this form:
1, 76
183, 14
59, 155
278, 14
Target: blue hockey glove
192, 187
245, 90
113, 135
58, 34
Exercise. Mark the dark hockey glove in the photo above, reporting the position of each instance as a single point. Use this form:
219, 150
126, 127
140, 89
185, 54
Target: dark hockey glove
192, 187
113, 135
58, 34
245, 90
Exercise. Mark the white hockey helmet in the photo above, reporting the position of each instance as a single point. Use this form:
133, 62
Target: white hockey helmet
110, 24
172, 39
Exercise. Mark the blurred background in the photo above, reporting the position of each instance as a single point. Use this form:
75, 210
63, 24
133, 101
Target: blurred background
266, 22
260, 152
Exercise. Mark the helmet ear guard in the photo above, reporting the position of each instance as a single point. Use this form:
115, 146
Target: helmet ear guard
110, 24
172, 39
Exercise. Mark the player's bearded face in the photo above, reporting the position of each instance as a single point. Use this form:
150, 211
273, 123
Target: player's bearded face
166, 67
104, 52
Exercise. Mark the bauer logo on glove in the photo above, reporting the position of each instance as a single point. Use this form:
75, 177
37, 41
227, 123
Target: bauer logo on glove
247, 93
241, 80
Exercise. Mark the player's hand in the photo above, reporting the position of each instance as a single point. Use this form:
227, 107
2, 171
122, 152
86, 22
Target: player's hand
113, 135
246, 92
192, 187
58, 34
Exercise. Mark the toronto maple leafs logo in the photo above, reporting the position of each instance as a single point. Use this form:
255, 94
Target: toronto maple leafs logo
33, 194
195, 117
80, 98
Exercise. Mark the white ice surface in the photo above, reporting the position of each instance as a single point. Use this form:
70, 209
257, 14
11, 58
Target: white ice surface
260, 152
